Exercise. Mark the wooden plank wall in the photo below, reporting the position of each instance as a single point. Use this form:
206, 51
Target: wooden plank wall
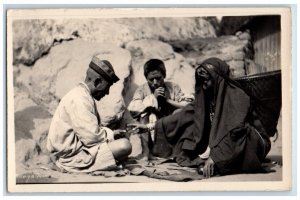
267, 43
267, 52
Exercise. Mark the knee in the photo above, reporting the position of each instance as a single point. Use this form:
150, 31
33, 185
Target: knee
177, 110
125, 146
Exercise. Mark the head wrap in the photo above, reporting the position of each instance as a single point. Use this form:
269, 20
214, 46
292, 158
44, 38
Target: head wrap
104, 68
219, 70
154, 64
218, 66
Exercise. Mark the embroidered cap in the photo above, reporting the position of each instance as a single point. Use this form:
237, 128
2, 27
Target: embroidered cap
104, 68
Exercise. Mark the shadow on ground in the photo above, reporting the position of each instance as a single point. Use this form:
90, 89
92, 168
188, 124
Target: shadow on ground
24, 121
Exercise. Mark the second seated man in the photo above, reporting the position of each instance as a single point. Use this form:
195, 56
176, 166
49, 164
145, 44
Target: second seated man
156, 99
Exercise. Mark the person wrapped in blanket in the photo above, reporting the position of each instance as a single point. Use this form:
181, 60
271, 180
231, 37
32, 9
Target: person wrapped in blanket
219, 132
155, 99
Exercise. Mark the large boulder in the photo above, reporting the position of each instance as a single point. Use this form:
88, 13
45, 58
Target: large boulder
42, 34
65, 66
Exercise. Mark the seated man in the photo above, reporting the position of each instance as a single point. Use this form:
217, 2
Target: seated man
76, 138
156, 98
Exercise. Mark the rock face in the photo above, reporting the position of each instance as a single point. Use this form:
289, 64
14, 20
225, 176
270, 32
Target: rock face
234, 49
31, 127
58, 72
43, 34
229, 25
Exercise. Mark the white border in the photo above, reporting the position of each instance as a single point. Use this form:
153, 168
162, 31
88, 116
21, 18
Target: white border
283, 185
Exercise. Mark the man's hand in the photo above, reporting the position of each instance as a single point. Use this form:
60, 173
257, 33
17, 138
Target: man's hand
136, 126
159, 92
189, 98
208, 169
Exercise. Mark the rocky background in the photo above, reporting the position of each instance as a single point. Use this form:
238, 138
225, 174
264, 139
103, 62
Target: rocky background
51, 57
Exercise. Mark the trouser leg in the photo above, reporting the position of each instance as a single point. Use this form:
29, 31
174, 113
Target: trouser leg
144, 137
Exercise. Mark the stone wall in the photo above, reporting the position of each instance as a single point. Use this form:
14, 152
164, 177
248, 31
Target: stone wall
235, 50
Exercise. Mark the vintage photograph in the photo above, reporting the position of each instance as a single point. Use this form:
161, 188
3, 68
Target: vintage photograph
149, 99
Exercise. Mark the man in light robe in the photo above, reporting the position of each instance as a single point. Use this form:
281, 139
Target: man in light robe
76, 138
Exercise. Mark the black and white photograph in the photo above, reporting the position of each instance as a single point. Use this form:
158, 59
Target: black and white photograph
149, 99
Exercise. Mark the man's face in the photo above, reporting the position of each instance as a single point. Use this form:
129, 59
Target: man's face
101, 89
205, 78
155, 79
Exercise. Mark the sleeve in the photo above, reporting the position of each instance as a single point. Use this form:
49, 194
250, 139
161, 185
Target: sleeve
179, 96
139, 103
85, 123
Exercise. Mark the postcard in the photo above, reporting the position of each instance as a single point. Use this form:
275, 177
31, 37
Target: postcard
149, 99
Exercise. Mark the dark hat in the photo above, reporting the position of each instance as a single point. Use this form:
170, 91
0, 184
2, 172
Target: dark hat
154, 64
104, 68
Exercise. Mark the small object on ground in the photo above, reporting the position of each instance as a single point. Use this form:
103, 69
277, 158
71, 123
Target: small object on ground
200, 169
150, 164
139, 128
120, 166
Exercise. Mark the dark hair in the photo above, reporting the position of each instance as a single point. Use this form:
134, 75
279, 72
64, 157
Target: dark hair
154, 64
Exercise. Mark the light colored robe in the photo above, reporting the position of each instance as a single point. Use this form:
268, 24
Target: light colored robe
75, 136
144, 98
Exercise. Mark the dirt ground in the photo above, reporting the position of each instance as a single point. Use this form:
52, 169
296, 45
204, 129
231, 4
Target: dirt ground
44, 175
